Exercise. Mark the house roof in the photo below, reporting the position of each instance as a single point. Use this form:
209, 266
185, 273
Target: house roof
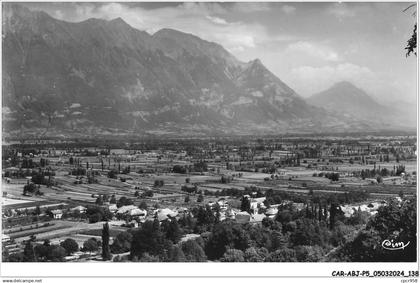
163, 214
79, 208
137, 211
257, 217
126, 208
271, 211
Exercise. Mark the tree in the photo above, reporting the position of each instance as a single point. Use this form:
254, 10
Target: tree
90, 245
306, 233
124, 201
147, 258
282, 255
253, 254
158, 183
57, 253
400, 169
122, 243
225, 179
96, 217
172, 230
106, 255
5, 255
187, 199
37, 210
148, 239
245, 204
28, 251
99, 200
233, 255
188, 223
29, 188
193, 251
148, 193
112, 174
143, 205
70, 246
97, 213
179, 169
176, 254
309, 253
335, 212
394, 222
43, 251
189, 189
204, 216
412, 42
226, 234
200, 198
401, 194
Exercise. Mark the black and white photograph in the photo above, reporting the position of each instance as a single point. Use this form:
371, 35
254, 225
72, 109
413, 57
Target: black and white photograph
210, 132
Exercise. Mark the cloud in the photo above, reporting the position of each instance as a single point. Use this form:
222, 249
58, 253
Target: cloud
250, 7
288, 9
309, 80
314, 50
217, 20
206, 20
58, 14
341, 11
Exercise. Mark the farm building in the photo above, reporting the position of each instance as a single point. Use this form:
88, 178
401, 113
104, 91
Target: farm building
165, 213
271, 212
242, 217
57, 213
80, 209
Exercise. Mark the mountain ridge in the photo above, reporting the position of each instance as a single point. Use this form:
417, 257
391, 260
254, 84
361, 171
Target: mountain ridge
123, 80
346, 98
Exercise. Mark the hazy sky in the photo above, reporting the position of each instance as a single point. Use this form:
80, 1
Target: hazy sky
310, 46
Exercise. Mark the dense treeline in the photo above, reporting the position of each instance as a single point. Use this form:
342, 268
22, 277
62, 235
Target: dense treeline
320, 232
200, 166
396, 223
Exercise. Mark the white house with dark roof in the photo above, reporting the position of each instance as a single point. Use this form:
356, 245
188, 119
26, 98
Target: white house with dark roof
57, 213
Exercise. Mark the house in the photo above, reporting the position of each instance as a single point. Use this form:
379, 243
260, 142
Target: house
230, 214
182, 210
57, 213
134, 223
298, 206
112, 208
242, 217
188, 237
141, 213
223, 204
80, 209
257, 218
165, 213
347, 210
125, 209
118, 151
257, 203
271, 212
5, 238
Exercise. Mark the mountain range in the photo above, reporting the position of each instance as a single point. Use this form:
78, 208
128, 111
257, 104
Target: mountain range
350, 101
99, 77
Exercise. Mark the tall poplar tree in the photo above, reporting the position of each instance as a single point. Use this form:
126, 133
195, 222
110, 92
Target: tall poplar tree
106, 255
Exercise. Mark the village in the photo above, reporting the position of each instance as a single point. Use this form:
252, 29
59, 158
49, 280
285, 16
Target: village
53, 193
